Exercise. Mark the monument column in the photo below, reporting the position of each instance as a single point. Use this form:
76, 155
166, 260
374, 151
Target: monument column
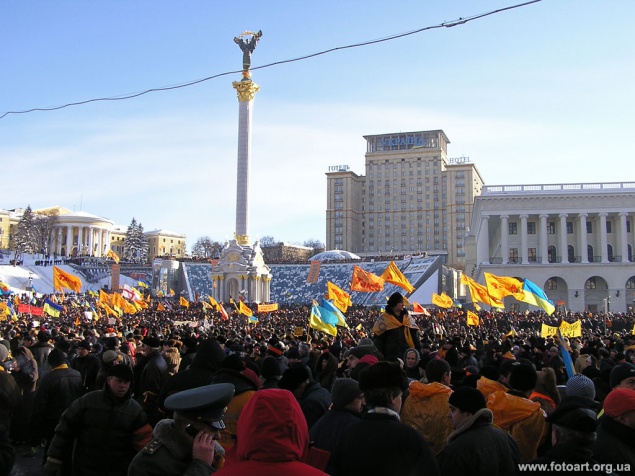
246, 90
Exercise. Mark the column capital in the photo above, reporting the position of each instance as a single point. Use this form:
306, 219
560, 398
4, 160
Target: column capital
523, 216
246, 90
603, 214
504, 217
623, 214
543, 215
563, 215
484, 217
583, 215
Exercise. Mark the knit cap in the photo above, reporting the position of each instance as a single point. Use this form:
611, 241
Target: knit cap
621, 372
581, 386
344, 391
467, 399
619, 401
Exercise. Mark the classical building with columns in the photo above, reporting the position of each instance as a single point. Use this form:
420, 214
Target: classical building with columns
574, 240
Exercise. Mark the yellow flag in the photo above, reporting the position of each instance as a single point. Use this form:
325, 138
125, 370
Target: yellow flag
443, 300
214, 303
160, 307
172, 292
472, 319
243, 309
501, 286
62, 279
479, 293
341, 299
365, 281
393, 275
141, 284
183, 302
113, 256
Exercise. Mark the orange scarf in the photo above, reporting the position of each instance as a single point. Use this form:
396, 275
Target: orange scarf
387, 322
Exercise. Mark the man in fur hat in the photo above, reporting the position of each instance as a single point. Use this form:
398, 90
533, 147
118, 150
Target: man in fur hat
395, 331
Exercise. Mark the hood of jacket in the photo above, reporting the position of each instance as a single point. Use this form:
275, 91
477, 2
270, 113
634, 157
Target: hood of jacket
422, 390
509, 409
271, 428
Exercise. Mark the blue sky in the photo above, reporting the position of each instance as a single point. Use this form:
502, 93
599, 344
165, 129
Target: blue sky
538, 94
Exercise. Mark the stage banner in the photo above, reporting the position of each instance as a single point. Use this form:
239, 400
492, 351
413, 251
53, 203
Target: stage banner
114, 281
28, 309
314, 272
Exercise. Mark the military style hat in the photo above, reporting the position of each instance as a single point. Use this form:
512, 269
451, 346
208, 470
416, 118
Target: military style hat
207, 404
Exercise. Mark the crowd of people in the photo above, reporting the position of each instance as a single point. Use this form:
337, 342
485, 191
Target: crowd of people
183, 391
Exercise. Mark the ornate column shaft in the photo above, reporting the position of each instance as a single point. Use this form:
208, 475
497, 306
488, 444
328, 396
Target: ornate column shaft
246, 91
504, 238
604, 254
482, 247
623, 240
544, 246
564, 249
584, 253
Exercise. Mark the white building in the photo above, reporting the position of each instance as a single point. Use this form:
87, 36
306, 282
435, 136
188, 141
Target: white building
575, 241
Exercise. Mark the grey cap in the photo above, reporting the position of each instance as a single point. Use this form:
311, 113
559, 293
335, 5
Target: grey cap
207, 404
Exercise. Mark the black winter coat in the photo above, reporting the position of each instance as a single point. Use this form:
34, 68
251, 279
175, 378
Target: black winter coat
615, 443
103, 427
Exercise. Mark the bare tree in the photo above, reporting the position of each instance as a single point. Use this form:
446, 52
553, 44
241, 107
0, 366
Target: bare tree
268, 241
44, 224
317, 245
206, 248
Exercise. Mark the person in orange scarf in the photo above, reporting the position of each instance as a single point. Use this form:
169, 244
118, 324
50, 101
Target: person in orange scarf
395, 331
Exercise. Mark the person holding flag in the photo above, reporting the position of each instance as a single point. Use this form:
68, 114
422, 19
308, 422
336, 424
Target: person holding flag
395, 331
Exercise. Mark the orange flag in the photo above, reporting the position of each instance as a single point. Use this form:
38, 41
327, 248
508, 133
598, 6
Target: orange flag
416, 307
472, 319
62, 279
501, 286
393, 275
160, 307
365, 281
341, 299
479, 293
183, 302
443, 300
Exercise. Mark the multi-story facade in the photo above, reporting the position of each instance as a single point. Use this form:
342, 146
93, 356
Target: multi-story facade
575, 241
413, 199
164, 243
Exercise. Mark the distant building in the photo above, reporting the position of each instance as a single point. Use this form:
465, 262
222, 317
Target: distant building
77, 234
287, 252
165, 243
413, 198
573, 240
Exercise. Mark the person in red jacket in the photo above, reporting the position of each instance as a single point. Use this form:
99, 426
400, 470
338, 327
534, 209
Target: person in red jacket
272, 438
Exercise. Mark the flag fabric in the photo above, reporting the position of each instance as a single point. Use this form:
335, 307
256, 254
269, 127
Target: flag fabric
365, 281
243, 309
456, 303
223, 312
393, 275
127, 292
172, 292
160, 307
340, 298
443, 300
183, 302
316, 322
472, 319
214, 303
113, 256
571, 330
142, 284
479, 293
51, 308
62, 279
253, 319
329, 306
419, 309
4, 288
314, 272
564, 353
501, 286
537, 297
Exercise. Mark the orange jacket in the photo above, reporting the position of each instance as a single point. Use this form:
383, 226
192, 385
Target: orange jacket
523, 419
487, 386
426, 410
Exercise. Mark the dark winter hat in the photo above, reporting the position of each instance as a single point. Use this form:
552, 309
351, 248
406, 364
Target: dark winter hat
362, 350
574, 416
152, 342
121, 371
467, 399
111, 356
190, 342
523, 377
4, 353
581, 386
55, 358
621, 372
270, 368
43, 336
293, 377
233, 362
293, 353
84, 345
344, 391
383, 375
394, 299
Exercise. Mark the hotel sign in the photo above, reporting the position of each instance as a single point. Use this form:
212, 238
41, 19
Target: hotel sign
338, 168
459, 160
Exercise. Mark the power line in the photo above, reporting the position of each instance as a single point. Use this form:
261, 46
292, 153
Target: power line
450, 24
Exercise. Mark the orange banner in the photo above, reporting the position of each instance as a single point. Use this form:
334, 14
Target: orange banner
365, 281
267, 307
62, 279
314, 272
